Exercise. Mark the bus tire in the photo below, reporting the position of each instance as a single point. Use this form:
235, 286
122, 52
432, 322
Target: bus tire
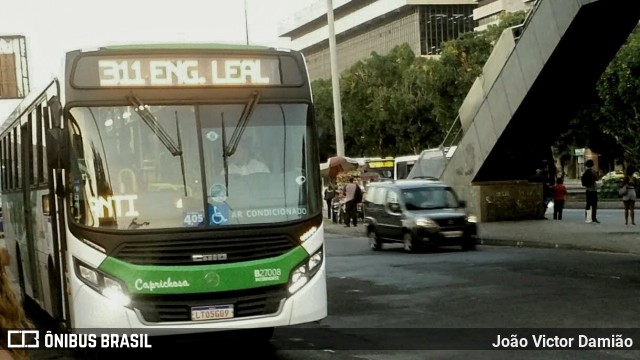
21, 281
54, 288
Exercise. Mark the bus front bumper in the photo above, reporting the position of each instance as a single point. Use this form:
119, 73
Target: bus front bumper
98, 313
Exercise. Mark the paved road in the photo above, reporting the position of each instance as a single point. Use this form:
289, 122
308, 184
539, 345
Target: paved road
382, 303
570, 233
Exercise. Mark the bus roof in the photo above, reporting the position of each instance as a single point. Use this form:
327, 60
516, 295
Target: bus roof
185, 46
406, 158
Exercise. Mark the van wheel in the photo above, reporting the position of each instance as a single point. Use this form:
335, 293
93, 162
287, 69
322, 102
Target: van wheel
409, 244
374, 241
468, 244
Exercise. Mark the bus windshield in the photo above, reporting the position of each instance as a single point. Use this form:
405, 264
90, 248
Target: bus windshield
123, 175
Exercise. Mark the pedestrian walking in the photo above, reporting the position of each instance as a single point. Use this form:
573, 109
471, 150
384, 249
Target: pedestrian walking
329, 194
589, 181
350, 203
559, 197
628, 192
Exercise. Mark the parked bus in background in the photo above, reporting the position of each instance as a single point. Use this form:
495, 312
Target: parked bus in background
123, 201
431, 163
402, 166
381, 166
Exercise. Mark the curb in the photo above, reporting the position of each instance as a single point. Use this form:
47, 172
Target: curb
547, 245
602, 204
516, 243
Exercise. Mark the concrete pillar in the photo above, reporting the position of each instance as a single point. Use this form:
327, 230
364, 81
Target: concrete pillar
504, 200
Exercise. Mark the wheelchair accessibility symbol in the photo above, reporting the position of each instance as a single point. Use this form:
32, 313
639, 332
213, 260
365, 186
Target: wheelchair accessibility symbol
218, 214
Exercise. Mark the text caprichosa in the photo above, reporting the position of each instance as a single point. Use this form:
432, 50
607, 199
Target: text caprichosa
168, 283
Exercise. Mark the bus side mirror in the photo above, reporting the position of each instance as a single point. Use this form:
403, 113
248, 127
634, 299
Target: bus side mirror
55, 109
57, 148
463, 204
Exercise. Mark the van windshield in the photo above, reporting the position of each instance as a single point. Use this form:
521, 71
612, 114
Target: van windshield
429, 198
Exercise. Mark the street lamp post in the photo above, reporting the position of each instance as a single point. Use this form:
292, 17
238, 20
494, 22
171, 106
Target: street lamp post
246, 22
335, 81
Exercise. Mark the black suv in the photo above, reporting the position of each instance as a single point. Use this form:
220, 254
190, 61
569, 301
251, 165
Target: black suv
416, 213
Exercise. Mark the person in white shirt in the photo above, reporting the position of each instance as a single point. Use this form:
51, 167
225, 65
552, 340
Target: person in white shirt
351, 204
242, 163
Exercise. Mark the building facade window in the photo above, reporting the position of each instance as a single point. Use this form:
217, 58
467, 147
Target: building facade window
423, 27
442, 23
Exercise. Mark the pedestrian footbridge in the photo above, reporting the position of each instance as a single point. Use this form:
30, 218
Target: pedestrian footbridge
533, 82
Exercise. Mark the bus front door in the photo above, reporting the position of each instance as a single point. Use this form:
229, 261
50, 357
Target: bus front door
30, 203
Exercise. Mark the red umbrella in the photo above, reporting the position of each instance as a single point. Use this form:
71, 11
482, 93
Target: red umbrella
338, 164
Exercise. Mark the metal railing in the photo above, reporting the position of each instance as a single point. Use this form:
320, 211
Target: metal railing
529, 15
454, 134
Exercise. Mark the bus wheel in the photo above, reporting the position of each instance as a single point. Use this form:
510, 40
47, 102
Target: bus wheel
21, 282
54, 289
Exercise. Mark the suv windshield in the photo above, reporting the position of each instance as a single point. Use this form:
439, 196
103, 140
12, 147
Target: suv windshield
124, 176
429, 198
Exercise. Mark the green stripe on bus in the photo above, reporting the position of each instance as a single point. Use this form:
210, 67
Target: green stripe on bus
180, 279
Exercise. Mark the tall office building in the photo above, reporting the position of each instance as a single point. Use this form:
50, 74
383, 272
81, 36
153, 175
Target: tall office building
365, 26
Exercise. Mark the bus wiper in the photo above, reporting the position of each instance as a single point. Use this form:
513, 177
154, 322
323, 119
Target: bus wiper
135, 224
143, 111
225, 163
230, 149
184, 177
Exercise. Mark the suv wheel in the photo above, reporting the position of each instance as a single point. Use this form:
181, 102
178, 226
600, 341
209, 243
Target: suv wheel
409, 244
374, 241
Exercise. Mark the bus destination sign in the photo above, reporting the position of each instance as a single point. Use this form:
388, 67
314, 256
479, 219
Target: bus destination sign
380, 164
131, 71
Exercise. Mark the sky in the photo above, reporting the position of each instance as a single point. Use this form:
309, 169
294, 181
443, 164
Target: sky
53, 27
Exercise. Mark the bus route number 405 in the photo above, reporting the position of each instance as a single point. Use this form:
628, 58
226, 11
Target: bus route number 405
193, 219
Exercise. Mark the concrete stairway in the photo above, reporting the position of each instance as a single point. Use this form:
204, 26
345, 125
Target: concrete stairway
530, 87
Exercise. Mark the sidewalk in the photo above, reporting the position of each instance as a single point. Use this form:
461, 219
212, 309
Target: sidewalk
542, 234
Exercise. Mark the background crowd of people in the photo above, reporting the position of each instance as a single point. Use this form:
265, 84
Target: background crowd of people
344, 202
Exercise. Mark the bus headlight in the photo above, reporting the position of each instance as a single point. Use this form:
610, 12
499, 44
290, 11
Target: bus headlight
472, 219
110, 288
303, 273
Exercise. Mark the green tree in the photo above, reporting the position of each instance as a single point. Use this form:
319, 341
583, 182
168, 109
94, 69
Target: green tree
619, 92
461, 62
323, 103
385, 110
397, 104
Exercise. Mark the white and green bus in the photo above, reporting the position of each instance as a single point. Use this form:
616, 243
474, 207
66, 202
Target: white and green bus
121, 206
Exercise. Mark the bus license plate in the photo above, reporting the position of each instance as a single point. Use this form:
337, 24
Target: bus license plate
211, 312
451, 234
